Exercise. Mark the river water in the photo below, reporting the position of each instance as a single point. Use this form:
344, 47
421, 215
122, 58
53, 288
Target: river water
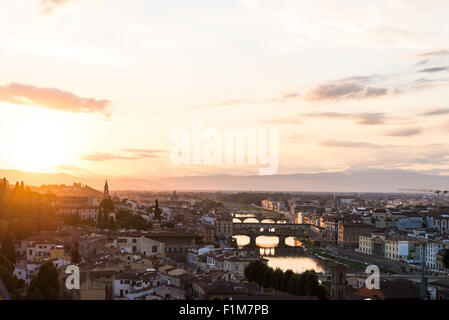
267, 246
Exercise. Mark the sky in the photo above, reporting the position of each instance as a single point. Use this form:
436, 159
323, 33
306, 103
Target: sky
97, 87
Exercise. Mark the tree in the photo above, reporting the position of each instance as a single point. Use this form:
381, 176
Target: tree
75, 253
35, 294
46, 281
8, 247
268, 278
127, 220
286, 279
278, 276
157, 210
106, 207
300, 284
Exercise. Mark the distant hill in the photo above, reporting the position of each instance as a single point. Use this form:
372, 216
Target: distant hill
347, 181
115, 183
75, 190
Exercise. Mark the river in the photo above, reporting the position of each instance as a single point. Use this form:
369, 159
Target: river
267, 246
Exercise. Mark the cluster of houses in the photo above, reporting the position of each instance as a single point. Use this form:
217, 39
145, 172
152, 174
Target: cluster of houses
393, 230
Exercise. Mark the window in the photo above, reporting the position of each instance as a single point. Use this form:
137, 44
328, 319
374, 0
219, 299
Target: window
154, 248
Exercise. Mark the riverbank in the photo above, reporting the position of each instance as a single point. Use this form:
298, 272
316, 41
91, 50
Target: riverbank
321, 254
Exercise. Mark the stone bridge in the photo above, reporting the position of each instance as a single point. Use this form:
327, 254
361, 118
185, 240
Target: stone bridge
260, 217
280, 230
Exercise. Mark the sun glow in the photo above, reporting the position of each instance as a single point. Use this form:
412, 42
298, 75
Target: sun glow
42, 139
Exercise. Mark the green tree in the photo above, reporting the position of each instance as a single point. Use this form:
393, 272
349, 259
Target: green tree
157, 210
286, 279
106, 207
46, 281
278, 276
292, 283
268, 277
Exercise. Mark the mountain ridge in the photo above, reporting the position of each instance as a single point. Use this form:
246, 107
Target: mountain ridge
361, 180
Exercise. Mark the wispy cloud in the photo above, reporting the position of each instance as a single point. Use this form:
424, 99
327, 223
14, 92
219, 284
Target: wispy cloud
403, 132
348, 144
434, 69
232, 102
360, 118
435, 112
432, 54
51, 98
126, 154
348, 88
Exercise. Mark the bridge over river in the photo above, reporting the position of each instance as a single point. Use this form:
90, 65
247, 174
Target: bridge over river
279, 230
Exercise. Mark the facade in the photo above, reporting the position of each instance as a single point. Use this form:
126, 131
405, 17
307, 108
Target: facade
125, 283
136, 245
441, 223
365, 244
223, 227
271, 205
392, 249
433, 248
349, 232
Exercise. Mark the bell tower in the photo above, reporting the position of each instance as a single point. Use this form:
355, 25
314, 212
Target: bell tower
106, 190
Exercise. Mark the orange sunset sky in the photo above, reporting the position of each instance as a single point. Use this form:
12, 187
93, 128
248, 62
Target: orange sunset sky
97, 86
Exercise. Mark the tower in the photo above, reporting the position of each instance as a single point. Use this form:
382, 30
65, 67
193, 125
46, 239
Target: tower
338, 283
106, 190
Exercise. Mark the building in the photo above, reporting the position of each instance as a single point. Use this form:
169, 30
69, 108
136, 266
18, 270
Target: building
223, 226
125, 283
349, 232
136, 244
441, 222
433, 249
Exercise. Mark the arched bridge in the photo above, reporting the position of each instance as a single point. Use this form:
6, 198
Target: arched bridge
280, 230
260, 217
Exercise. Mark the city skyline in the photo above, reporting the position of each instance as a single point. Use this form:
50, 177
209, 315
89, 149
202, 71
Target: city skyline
348, 86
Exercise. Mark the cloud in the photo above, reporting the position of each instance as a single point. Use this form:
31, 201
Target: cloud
434, 69
231, 102
422, 62
349, 88
431, 54
51, 98
403, 132
375, 92
129, 154
347, 144
360, 118
435, 112
285, 97
47, 6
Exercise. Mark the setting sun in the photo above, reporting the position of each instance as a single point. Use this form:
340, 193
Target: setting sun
42, 141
